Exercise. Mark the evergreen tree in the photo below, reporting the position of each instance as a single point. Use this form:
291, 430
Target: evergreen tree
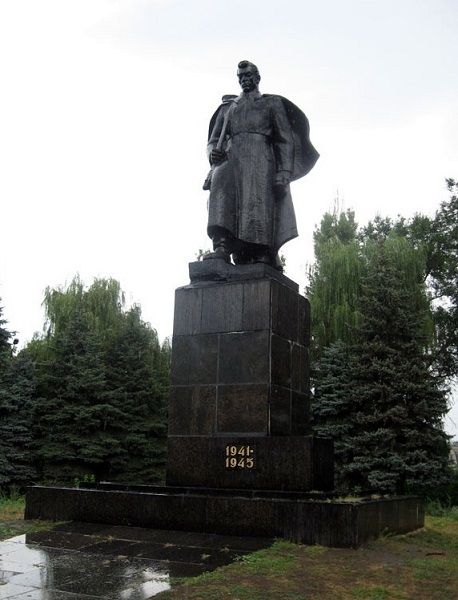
443, 274
137, 381
397, 441
70, 411
102, 382
16, 405
437, 239
332, 406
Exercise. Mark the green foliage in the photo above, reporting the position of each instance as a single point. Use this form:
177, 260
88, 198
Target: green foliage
443, 276
102, 382
436, 240
375, 393
334, 281
333, 404
397, 442
436, 508
16, 392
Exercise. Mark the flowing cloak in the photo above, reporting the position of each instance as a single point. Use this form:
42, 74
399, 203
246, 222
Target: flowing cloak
265, 134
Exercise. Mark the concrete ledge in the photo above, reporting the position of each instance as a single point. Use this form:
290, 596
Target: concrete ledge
303, 520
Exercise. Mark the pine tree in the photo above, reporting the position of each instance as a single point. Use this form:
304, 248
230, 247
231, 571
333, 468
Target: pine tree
136, 387
332, 407
397, 441
102, 382
16, 406
71, 410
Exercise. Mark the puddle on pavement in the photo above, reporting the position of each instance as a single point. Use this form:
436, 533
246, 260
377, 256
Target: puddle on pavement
99, 561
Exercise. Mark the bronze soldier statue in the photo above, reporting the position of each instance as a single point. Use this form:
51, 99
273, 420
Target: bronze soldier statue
258, 143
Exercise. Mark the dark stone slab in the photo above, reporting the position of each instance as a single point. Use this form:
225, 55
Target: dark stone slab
243, 409
284, 312
256, 305
244, 357
192, 410
303, 321
218, 270
222, 308
280, 411
282, 463
328, 523
194, 359
188, 312
300, 414
280, 361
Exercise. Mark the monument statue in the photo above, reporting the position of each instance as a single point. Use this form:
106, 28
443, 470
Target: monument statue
258, 143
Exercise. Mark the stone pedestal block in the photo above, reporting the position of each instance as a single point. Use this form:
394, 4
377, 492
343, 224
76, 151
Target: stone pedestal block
286, 463
240, 360
240, 379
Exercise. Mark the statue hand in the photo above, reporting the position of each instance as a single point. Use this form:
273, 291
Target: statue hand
217, 156
282, 178
281, 182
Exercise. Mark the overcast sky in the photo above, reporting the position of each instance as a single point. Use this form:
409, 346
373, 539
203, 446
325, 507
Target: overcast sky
104, 109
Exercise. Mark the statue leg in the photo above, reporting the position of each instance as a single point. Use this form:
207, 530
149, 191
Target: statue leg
222, 244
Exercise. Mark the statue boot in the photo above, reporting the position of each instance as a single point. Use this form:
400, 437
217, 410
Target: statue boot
221, 249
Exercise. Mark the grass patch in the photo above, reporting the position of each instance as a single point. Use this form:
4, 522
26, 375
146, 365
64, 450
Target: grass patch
422, 565
377, 592
12, 517
11, 507
276, 560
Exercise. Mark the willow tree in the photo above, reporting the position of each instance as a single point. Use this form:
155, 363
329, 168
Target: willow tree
334, 281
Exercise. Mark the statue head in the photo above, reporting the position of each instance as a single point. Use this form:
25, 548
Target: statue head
248, 75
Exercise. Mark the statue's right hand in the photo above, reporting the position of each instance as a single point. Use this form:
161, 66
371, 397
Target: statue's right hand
217, 156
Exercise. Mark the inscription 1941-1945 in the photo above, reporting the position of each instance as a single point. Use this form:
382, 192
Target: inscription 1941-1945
239, 457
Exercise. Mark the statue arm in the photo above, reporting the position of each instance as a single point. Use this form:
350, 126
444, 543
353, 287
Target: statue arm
283, 141
214, 136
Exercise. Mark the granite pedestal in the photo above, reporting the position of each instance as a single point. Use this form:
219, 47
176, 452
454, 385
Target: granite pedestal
241, 456
239, 400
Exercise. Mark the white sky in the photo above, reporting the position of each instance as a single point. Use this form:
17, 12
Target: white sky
104, 109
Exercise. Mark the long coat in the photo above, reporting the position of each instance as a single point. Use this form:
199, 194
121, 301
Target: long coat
265, 134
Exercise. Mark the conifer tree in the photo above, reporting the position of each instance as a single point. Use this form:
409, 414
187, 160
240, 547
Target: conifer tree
102, 379
70, 440
332, 406
136, 388
16, 406
397, 439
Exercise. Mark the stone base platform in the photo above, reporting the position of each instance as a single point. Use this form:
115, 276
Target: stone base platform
306, 518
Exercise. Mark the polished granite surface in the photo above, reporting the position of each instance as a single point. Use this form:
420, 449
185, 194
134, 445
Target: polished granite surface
88, 561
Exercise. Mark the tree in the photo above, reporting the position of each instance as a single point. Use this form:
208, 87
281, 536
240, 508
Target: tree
71, 408
394, 440
16, 405
334, 281
102, 383
443, 274
332, 406
437, 239
137, 379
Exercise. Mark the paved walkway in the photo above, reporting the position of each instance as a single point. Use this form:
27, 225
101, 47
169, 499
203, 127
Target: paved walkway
88, 561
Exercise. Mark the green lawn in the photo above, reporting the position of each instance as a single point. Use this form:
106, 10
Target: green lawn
420, 566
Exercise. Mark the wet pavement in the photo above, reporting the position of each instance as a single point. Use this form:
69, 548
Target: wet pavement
88, 561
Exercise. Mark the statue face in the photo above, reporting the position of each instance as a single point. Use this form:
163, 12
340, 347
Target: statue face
248, 79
